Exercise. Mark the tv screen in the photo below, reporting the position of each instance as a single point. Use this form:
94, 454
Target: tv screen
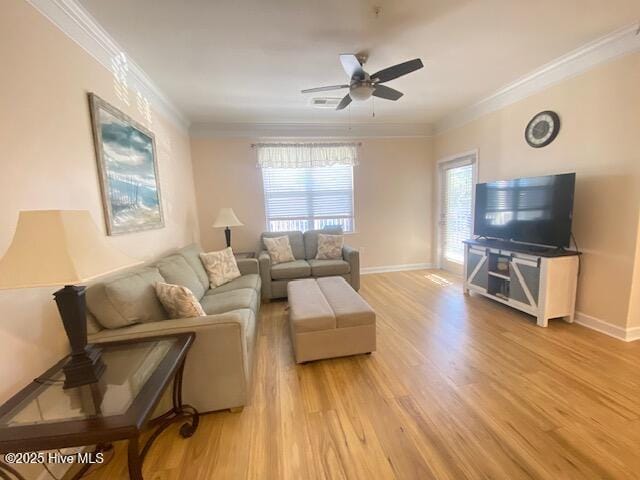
531, 210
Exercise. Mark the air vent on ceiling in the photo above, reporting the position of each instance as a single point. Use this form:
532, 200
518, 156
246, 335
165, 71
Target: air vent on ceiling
325, 102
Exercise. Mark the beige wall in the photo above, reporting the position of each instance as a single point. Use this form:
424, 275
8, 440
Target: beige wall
633, 316
393, 194
47, 162
600, 141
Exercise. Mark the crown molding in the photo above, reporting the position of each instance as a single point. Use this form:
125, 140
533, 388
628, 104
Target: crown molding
604, 49
73, 20
309, 130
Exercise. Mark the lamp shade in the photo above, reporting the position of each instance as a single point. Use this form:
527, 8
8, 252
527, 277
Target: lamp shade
227, 218
58, 247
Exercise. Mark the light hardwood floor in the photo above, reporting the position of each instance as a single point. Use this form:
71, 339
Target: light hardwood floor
460, 387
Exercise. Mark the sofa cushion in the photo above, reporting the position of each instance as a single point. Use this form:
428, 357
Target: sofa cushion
295, 240
176, 270
191, 254
279, 249
327, 268
127, 299
329, 247
93, 326
251, 280
297, 269
309, 310
179, 301
221, 266
233, 300
350, 309
311, 240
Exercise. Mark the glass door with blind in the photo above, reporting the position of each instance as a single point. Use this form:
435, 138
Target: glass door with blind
457, 178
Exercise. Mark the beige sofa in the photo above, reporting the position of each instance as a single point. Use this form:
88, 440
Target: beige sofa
218, 368
304, 246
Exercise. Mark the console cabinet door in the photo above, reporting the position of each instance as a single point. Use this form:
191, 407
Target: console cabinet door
481, 277
525, 282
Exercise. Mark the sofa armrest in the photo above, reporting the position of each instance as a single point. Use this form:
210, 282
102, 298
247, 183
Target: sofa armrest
247, 265
265, 274
218, 367
351, 255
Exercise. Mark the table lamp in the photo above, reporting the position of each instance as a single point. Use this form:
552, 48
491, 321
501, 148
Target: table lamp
227, 218
63, 247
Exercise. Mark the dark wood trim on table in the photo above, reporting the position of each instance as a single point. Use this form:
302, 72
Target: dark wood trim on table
101, 431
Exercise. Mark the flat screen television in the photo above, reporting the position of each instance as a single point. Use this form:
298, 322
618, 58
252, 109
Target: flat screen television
534, 210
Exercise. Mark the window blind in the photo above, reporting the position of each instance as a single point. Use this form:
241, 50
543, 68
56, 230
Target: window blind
308, 198
457, 214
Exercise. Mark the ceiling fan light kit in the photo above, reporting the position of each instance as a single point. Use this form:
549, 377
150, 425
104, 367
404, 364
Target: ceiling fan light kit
362, 85
361, 91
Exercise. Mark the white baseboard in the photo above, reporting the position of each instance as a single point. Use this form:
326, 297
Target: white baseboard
633, 334
395, 268
624, 334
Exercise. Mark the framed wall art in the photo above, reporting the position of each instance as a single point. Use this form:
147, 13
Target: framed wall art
128, 170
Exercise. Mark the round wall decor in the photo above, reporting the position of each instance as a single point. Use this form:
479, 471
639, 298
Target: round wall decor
542, 129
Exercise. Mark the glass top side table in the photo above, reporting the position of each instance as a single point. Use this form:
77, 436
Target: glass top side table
45, 416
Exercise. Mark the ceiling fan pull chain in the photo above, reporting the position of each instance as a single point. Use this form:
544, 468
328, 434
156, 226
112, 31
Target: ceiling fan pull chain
373, 107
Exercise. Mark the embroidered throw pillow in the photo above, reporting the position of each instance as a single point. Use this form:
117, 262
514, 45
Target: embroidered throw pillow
221, 266
178, 301
279, 249
329, 247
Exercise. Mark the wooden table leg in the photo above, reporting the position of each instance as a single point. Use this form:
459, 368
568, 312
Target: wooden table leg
134, 460
178, 412
99, 448
4, 468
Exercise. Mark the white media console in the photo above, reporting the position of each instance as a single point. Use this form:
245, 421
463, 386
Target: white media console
541, 283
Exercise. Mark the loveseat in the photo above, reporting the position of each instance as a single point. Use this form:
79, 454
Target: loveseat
218, 367
304, 247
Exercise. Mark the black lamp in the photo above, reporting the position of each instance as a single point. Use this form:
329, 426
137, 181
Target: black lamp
63, 247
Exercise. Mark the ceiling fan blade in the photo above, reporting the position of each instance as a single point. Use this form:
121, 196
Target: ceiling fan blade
324, 89
351, 65
387, 93
397, 70
346, 100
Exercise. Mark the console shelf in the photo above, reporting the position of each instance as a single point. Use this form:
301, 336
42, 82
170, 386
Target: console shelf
499, 275
541, 282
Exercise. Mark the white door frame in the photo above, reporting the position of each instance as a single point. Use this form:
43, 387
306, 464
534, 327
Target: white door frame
452, 160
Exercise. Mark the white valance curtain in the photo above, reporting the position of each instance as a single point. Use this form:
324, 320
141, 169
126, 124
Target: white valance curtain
306, 155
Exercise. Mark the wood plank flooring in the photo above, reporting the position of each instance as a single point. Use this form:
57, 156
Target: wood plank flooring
460, 387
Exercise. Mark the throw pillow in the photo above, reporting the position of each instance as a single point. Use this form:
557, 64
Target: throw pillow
221, 266
178, 301
279, 249
329, 247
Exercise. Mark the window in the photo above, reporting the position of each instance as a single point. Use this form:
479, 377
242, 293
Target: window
308, 186
456, 215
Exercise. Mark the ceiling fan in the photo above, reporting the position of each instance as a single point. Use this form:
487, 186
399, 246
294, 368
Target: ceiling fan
362, 85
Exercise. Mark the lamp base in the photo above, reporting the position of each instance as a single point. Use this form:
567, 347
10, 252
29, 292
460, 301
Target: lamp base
85, 365
227, 236
83, 369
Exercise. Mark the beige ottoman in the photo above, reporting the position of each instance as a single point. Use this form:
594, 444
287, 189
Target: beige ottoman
329, 319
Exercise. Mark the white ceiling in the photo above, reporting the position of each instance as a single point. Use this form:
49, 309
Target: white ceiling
245, 61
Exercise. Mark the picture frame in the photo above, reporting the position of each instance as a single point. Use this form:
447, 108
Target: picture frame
127, 168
